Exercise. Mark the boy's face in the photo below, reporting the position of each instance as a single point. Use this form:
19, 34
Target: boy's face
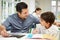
44, 23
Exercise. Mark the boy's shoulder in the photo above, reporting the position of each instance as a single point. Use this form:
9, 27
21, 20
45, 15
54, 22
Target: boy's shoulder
54, 27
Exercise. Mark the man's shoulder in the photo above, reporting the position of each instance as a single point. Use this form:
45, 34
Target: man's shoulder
30, 15
13, 15
10, 17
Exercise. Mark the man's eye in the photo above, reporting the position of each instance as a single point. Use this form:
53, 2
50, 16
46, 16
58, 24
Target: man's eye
25, 12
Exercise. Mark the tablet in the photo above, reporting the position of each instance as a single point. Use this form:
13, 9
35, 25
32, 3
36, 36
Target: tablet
18, 35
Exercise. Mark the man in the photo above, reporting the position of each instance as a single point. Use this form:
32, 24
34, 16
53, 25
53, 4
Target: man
19, 22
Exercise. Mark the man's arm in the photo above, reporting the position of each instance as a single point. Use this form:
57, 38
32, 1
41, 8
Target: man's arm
57, 23
5, 26
36, 20
2, 27
3, 31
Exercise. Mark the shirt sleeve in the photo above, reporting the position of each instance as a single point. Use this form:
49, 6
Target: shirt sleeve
7, 24
36, 21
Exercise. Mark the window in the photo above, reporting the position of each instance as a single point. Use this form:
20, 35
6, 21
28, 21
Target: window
8, 8
58, 15
56, 8
53, 6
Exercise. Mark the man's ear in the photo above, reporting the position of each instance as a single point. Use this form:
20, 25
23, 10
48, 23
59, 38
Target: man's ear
19, 13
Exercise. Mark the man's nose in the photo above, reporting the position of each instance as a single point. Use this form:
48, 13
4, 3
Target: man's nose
27, 14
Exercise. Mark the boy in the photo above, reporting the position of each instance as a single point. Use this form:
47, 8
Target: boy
46, 27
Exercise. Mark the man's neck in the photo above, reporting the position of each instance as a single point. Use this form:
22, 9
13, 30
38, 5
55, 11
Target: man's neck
21, 17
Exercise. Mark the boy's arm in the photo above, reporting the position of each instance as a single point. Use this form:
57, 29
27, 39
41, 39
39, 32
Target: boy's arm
35, 31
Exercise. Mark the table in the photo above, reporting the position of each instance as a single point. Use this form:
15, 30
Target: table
34, 37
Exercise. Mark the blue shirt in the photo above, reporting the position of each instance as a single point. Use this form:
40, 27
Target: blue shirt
16, 24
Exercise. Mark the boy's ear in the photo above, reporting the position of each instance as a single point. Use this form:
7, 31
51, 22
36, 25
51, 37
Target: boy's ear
48, 23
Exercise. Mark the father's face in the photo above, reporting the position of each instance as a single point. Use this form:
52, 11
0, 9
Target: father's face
24, 14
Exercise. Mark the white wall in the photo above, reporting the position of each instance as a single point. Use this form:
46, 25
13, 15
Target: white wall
0, 11
31, 5
44, 4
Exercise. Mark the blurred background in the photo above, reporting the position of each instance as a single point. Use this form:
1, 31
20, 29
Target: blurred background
7, 7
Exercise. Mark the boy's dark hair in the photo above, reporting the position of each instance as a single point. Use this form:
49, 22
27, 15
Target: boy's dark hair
37, 9
48, 17
21, 6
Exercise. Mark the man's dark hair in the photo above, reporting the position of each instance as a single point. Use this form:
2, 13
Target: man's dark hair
37, 9
48, 17
21, 6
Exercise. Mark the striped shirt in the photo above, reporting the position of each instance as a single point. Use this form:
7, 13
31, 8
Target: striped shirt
16, 24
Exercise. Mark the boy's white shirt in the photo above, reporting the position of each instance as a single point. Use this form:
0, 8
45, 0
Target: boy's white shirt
53, 30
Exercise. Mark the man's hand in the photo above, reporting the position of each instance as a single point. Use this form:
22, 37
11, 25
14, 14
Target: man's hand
4, 33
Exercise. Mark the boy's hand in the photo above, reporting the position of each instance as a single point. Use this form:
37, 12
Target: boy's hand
35, 31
